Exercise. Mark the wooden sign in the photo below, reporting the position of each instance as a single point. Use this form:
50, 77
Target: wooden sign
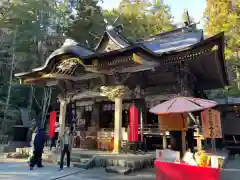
172, 122
211, 124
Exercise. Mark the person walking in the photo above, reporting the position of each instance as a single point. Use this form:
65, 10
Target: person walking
38, 146
66, 142
32, 144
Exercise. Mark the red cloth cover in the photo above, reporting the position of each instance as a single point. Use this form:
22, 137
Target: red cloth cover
52, 123
174, 171
133, 124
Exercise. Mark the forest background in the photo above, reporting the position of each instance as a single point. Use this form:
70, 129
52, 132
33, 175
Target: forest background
31, 30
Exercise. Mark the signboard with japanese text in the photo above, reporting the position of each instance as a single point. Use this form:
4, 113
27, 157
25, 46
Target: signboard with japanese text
211, 124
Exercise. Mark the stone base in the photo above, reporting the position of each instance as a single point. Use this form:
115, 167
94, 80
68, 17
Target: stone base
15, 155
13, 145
118, 170
89, 159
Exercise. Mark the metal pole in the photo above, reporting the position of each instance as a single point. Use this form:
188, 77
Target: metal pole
141, 125
213, 142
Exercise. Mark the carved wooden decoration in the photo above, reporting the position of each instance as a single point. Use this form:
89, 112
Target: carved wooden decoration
114, 91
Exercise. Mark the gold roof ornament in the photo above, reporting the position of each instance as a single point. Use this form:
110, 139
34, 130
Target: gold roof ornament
114, 91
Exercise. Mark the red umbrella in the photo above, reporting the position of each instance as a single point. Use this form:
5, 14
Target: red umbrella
181, 105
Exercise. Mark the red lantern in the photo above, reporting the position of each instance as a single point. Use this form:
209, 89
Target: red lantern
52, 123
133, 124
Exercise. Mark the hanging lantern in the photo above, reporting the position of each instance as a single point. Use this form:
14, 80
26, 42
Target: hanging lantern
133, 124
52, 123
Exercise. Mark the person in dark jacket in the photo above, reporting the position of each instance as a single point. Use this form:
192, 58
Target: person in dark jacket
38, 146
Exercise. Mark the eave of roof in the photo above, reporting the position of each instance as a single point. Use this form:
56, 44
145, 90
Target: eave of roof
139, 48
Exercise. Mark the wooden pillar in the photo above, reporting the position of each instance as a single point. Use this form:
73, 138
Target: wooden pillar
164, 139
177, 141
190, 139
183, 142
118, 125
199, 141
62, 116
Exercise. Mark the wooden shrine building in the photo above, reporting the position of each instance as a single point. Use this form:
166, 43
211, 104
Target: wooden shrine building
118, 72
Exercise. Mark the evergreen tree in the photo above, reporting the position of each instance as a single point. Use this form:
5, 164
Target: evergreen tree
141, 18
223, 15
88, 24
27, 32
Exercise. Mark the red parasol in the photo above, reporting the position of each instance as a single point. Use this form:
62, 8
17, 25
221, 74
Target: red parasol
182, 105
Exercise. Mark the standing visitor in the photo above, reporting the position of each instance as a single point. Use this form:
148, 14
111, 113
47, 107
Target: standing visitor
38, 146
66, 142
33, 137
34, 132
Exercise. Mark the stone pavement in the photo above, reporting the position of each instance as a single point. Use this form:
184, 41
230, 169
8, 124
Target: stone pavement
20, 171
100, 174
232, 170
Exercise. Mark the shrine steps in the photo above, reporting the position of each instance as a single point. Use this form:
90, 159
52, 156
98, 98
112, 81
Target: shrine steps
113, 163
82, 161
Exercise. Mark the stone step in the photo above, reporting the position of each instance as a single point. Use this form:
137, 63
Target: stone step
104, 162
80, 160
84, 163
82, 155
118, 170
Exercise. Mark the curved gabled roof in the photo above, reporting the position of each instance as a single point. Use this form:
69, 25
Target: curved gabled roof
69, 47
113, 34
179, 38
155, 51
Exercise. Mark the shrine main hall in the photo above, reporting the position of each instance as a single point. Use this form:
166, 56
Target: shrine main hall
98, 86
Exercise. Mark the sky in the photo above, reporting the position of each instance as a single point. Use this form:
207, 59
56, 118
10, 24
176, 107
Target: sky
195, 8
